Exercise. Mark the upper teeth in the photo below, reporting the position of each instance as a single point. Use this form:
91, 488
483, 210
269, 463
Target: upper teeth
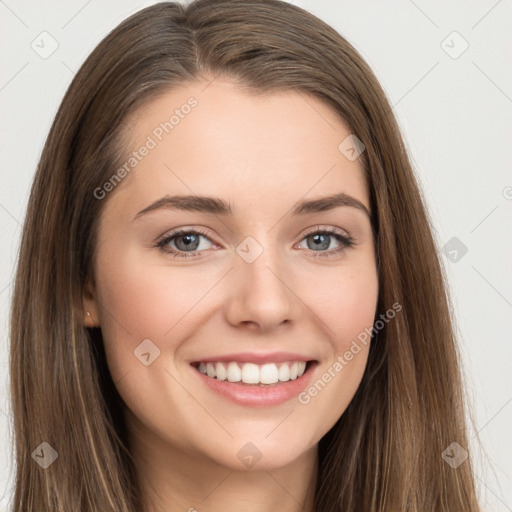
250, 373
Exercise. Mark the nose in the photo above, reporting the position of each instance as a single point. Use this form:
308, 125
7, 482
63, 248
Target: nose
261, 295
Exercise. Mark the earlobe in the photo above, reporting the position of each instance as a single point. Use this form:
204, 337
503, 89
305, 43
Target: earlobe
91, 317
88, 320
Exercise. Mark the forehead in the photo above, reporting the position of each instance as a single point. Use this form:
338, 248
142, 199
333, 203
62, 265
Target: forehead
217, 139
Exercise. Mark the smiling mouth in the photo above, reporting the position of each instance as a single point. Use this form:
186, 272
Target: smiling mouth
251, 374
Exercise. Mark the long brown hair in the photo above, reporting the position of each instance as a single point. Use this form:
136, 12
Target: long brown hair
385, 452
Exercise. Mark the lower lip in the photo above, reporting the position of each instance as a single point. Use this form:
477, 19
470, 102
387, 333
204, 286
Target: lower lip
256, 396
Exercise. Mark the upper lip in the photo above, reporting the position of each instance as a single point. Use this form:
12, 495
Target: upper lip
255, 357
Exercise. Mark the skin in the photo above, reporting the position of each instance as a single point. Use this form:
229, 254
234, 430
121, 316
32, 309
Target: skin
262, 154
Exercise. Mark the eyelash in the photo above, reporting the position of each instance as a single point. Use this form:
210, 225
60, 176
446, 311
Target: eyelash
346, 242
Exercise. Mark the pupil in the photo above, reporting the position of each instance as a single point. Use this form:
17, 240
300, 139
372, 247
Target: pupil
189, 241
321, 240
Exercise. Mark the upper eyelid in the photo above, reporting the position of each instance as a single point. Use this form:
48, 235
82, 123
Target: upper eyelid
184, 231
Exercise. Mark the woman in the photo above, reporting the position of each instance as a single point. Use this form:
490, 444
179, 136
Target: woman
228, 295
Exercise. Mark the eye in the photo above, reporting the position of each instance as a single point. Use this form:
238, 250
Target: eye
320, 239
183, 241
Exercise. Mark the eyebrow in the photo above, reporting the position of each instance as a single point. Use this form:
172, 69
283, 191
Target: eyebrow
217, 206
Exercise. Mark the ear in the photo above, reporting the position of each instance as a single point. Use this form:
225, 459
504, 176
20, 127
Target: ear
91, 310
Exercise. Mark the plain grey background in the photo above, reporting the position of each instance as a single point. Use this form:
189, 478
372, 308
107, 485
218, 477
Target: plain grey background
446, 69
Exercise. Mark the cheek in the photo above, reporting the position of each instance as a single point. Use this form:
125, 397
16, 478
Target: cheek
345, 300
147, 300
356, 302
346, 305
139, 302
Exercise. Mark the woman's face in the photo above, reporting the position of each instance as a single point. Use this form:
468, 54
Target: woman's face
255, 290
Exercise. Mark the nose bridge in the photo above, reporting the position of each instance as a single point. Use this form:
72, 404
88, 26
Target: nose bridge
261, 294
